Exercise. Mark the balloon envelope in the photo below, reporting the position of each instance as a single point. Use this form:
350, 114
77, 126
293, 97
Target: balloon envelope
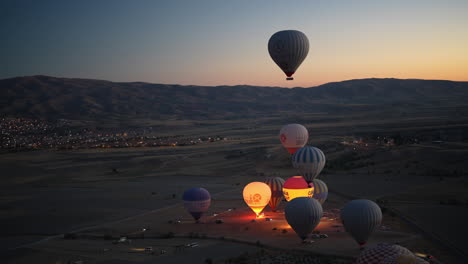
293, 137
320, 191
196, 201
376, 254
310, 161
403, 259
288, 49
257, 195
361, 218
276, 186
295, 187
303, 214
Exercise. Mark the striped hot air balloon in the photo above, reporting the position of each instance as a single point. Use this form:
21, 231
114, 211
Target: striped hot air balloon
303, 214
288, 49
276, 186
293, 137
320, 190
309, 161
361, 218
378, 253
196, 201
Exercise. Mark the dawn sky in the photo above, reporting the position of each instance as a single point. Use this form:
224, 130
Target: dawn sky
225, 42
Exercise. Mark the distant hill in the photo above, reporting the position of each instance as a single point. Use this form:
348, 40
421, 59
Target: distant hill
47, 97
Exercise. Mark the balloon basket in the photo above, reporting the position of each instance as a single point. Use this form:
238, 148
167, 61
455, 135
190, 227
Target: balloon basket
289, 79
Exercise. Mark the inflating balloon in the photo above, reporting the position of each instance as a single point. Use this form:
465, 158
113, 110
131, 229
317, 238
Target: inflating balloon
295, 187
378, 253
257, 195
361, 218
320, 191
276, 186
196, 201
293, 137
309, 161
303, 214
288, 49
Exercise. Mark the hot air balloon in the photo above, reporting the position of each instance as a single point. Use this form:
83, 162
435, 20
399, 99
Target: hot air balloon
295, 187
276, 186
360, 219
257, 195
376, 254
196, 201
320, 191
309, 161
303, 214
403, 259
288, 49
293, 137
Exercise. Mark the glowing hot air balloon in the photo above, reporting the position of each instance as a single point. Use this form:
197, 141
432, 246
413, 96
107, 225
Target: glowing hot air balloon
293, 137
276, 186
303, 214
378, 253
295, 187
310, 161
320, 191
196, 201
257, 195
361, 218
288, 49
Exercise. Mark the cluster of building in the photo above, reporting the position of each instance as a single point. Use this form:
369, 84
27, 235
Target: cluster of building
28, 134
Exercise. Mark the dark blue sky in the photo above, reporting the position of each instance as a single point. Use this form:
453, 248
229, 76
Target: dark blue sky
224, 42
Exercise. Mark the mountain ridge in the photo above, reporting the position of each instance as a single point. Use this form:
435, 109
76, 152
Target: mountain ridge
47, 97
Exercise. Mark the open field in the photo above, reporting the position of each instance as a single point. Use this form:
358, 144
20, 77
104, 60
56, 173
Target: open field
45, 194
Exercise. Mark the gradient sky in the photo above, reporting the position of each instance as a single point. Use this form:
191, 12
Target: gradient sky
225, 42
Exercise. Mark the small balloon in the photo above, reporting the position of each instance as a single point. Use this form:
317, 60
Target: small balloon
196, 201
276, 186
293, 137
256, 196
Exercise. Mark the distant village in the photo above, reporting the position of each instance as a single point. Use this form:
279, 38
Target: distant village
31, 134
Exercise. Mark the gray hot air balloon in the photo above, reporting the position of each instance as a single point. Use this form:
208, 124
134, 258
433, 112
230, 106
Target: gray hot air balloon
381, 252
360, 219
310, 161
288, 49
320, 190
303, 215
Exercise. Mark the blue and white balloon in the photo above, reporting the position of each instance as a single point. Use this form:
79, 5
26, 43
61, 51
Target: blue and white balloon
196, 201
310, 161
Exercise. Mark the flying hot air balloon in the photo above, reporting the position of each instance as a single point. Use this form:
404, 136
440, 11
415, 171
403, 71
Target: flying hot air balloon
288, 49
295, 187
293, 137
310, 161
276, 186
303, 214
196, 201
320, 191
256, 196
378, 253
360, 219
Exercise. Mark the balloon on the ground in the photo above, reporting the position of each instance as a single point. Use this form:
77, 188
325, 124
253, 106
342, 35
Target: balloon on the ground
196, 201
303, 214
361, 218
320, 191
293, 137
309, 161
288, 49
276, 186
403, 259
257, 195
378, 253
295, 187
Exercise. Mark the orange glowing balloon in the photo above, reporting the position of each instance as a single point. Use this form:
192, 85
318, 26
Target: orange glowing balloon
296, 186
257, 195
